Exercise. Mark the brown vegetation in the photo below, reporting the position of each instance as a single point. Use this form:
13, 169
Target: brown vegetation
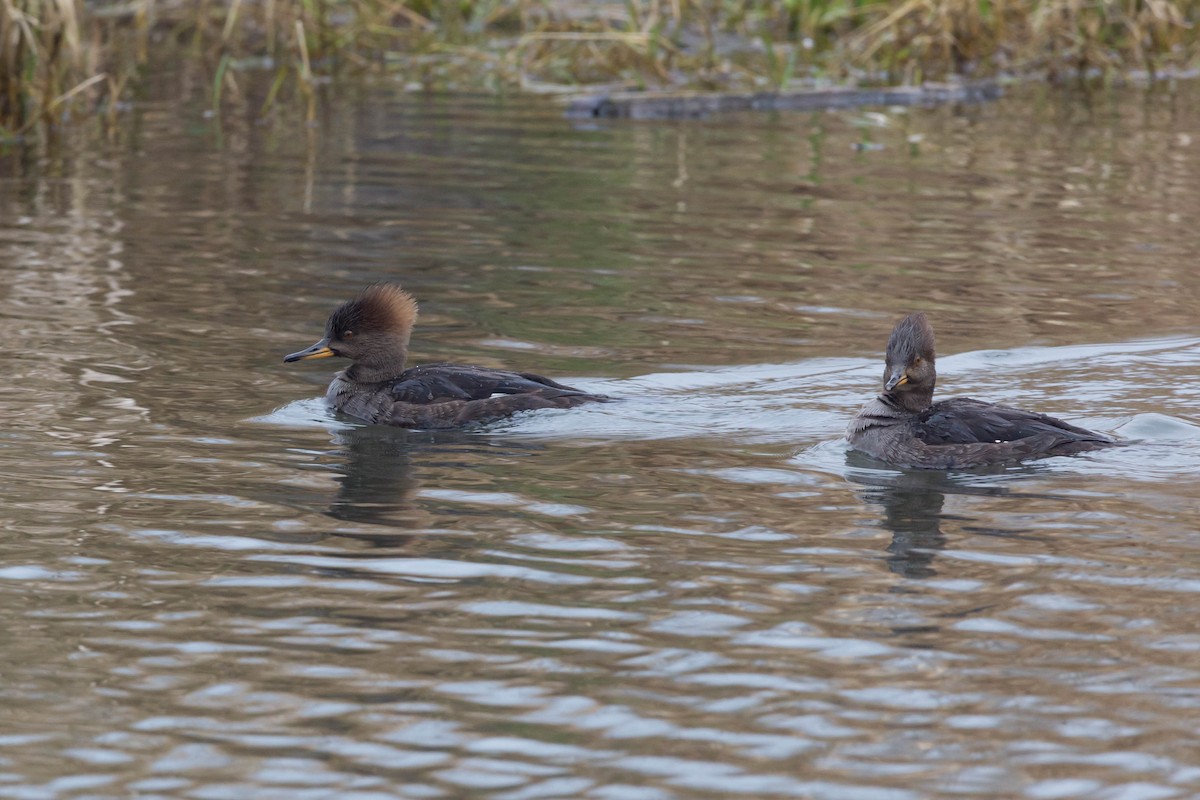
59, 53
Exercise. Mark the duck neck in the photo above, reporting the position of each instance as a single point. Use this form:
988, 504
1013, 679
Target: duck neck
380, 367
914, 401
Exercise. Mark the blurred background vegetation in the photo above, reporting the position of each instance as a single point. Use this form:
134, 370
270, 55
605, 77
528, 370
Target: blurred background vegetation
85, 56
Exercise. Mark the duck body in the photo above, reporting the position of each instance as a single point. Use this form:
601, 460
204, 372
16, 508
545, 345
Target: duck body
373, 331
447, 396
962, 432
904, 427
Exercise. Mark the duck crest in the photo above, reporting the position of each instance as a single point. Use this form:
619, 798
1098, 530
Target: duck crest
912, 337
379, 307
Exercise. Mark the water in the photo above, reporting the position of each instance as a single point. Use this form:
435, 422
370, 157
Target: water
214, 589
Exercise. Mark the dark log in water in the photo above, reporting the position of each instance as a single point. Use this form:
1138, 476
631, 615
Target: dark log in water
685, 105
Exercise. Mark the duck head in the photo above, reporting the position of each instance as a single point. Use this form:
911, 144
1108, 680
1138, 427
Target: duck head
909, 374
372, 330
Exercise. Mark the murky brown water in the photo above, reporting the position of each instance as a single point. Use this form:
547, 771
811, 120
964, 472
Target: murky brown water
211, 589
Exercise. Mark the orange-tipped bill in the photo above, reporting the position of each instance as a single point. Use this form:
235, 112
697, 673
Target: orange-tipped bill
318, 350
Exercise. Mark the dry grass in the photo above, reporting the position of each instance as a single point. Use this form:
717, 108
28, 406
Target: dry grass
41, 59
936, 38
59, 54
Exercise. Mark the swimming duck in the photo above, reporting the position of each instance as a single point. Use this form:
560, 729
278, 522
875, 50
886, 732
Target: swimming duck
904, 427
373, 330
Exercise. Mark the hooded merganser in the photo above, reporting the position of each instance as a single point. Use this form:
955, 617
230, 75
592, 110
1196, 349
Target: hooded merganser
372, 331
904, 427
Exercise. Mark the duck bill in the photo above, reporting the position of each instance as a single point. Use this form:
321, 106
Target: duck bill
318, 350
897, 379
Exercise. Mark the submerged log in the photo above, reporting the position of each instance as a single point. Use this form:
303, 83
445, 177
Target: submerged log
687, 105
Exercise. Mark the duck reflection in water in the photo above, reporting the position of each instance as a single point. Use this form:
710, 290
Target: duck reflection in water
381, 473
912, 503
376, 484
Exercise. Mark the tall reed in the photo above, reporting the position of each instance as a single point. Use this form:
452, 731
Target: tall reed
41, 60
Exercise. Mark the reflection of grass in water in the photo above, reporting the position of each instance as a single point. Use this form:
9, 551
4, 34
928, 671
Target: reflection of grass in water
58, 53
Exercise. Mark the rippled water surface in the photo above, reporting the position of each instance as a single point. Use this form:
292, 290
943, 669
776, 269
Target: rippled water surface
214, 589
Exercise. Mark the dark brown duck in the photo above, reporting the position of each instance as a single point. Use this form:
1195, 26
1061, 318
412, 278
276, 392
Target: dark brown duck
904, 427
373, 330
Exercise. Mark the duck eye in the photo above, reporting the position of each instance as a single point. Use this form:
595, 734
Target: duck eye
917, 361
348, 335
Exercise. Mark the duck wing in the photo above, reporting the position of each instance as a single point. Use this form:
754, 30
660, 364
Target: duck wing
965, 421
439, 383
452, 414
